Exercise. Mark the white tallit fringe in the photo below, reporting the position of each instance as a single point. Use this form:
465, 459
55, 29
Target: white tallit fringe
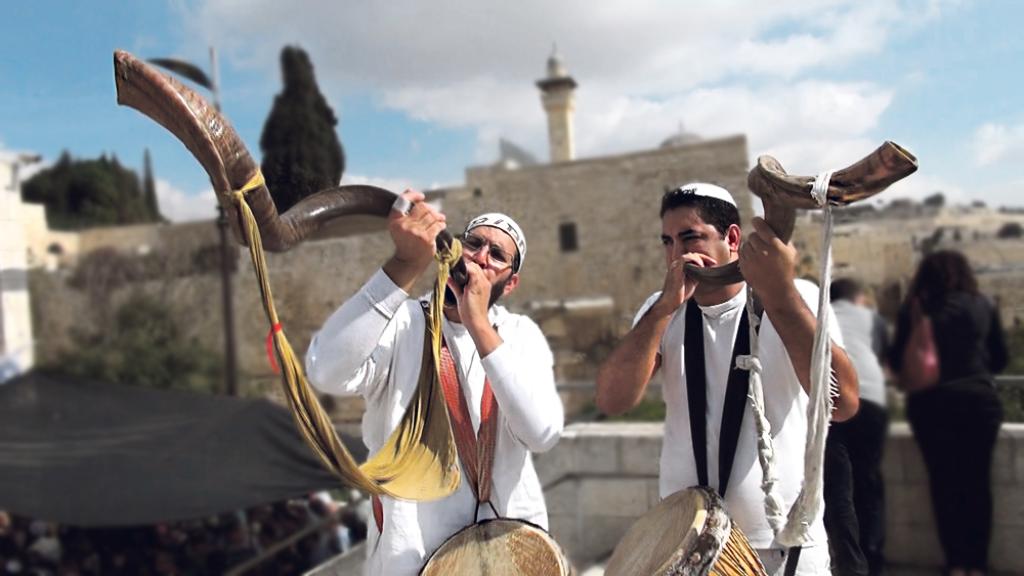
765, 447
807, 506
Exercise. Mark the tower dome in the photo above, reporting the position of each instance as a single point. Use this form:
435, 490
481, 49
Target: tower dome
556, 67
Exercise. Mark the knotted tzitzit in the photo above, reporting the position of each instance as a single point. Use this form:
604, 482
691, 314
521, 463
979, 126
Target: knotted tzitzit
765, 446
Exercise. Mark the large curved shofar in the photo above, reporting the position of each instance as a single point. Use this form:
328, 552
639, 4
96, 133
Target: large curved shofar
221, 152
783, 194
417, 461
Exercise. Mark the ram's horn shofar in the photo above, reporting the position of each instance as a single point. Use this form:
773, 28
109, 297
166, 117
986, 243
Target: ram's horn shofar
417, 461
783, 194
221, 152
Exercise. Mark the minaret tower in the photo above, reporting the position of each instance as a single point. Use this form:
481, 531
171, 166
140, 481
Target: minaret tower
558, 96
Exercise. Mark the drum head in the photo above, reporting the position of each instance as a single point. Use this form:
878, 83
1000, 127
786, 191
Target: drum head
498, 548
659, 539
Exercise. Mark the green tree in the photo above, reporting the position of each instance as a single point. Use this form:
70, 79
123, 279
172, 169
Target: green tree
301, 150
86, 193
143, 346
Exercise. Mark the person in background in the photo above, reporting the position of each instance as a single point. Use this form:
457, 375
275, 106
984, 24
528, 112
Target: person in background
956, 421
854, 488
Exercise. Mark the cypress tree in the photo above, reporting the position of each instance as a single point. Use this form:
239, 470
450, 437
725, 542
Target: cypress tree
301, 151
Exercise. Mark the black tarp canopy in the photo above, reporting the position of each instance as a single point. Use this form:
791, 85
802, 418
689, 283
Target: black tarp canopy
92, 454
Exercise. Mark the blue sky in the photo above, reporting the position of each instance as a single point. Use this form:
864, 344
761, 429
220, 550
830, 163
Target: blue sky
424, 90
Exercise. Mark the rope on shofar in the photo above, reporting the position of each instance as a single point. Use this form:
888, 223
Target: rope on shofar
419, 460
794, 528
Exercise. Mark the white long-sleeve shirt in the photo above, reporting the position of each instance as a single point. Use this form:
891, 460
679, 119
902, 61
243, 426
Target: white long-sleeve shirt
373, 346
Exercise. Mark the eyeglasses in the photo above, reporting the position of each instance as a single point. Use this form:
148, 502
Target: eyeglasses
497, 257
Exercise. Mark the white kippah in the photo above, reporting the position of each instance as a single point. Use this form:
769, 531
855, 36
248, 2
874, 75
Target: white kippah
706, 190
506, 225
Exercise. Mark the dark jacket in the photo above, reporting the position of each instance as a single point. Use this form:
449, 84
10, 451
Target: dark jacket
968, 334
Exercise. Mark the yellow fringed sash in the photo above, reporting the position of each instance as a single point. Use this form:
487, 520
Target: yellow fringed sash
419, 459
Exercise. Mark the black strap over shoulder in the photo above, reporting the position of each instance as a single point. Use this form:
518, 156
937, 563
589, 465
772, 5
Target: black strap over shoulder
736, 394
696, 391
737, 389
792, 560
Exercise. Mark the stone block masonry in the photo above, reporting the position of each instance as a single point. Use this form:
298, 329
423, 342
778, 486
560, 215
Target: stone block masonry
601, 477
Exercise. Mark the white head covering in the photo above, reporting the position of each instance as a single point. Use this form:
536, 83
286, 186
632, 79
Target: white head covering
506, 225
707, 190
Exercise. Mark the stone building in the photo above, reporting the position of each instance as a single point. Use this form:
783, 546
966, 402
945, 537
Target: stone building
592, 223
17, 352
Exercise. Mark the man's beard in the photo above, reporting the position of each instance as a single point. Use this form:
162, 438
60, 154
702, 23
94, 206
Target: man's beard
497, 289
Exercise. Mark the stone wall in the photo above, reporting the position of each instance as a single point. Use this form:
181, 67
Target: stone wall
16, 352
612, 204
883, 250
601, 477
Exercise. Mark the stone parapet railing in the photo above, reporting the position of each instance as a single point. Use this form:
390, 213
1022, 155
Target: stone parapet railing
601, 477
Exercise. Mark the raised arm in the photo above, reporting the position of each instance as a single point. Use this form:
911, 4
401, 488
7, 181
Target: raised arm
769, 265
413, 235
521, 371
348, 352
624, 375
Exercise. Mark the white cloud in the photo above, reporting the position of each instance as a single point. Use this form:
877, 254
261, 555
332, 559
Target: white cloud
919, 186
396, 185
810, 124
998, 143
733, 67
179, 206
642, 68
654, 46
29, 163
1007, 193
7, 154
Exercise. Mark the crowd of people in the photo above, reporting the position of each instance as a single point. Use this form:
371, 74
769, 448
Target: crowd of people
212, 545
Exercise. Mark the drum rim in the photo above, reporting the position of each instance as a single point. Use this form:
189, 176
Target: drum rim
713, 508
558, 547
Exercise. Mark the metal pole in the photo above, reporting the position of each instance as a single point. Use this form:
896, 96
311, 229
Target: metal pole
226, 254
215, 78
227, 304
